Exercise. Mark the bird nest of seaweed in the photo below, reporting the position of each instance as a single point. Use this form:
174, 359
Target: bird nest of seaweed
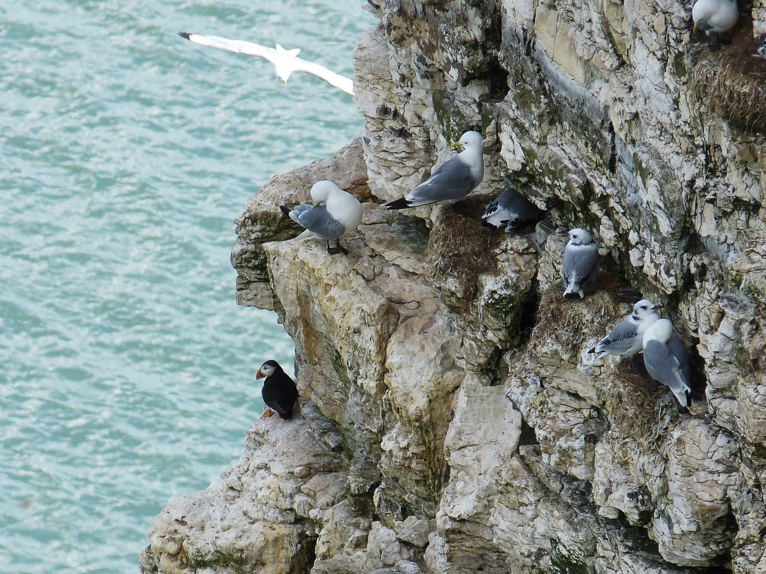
733, 79
461, 247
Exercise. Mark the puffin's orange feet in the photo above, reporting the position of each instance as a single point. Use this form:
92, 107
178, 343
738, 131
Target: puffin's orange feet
268, 413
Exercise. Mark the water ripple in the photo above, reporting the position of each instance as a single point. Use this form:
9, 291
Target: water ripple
127, 369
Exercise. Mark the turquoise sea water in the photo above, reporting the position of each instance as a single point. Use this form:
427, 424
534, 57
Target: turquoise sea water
126, 368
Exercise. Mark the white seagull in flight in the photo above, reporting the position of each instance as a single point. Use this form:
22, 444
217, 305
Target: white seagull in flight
285, 61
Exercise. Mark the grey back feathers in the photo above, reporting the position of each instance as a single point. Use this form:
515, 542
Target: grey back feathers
333, 212
666, 359
510, 209
317, 220
626, 339
452, 180
580, 263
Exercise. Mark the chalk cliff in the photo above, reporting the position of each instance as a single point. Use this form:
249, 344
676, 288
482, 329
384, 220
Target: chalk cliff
453, 420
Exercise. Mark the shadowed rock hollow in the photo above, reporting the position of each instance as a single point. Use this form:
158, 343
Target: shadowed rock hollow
453, 420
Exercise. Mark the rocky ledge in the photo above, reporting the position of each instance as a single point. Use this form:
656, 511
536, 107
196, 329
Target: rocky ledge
452, 418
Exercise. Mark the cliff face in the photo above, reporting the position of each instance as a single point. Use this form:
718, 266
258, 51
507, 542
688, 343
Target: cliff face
453, 420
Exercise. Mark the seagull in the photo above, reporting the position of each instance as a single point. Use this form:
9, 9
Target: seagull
666, 359
714, 16
452, 180
285, 61
510, 209
626, 339
279, 391
580, 263
333, 213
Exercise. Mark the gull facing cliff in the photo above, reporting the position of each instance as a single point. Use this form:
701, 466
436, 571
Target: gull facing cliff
285, 61
279, 391
626, 339
510, 209
452, 180
666, 359
714, 16
333, 213
580, 263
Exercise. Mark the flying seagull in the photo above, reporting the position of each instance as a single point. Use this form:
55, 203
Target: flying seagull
510, 209
626, 339
333, 213
580, 262
279, 391
666, 359
285, 61
452, 180
714, 16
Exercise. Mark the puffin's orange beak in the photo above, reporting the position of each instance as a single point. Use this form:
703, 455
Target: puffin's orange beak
259, 374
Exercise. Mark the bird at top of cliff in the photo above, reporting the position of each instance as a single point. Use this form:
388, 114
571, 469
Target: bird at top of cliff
285, 61
334, 212
279, 391
666, 359
510, 209
714, 16
452, 180
626, 339
580, 263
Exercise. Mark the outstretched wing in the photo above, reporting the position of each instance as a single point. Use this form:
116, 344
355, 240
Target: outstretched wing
236, 46
340, 82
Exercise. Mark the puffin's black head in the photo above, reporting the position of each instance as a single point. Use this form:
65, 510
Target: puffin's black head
267, 369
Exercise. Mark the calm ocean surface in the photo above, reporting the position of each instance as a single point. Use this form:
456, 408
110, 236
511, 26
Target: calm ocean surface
126, 368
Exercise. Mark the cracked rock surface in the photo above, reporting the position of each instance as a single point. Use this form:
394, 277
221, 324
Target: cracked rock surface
453, 419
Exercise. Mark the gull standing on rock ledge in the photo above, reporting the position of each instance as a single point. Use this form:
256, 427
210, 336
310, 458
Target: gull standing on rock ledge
285, 61
580, 263
666, 359
626, 339
452, 180
333, 213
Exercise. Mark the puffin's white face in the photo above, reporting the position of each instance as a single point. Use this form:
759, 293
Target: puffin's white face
579, 236
643, 310
266, 370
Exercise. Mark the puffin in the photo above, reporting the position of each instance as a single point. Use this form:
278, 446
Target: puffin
279, 391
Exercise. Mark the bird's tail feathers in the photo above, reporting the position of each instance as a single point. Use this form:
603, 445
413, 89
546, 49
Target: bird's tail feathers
401, 203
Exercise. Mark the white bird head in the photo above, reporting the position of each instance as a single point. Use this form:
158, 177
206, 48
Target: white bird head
645, 310
579, 236
661, 330
267, 369
469, 140
321, 190
284, 62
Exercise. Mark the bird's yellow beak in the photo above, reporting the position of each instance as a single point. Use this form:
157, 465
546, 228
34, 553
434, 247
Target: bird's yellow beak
694, 28
259, 374
457, 146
